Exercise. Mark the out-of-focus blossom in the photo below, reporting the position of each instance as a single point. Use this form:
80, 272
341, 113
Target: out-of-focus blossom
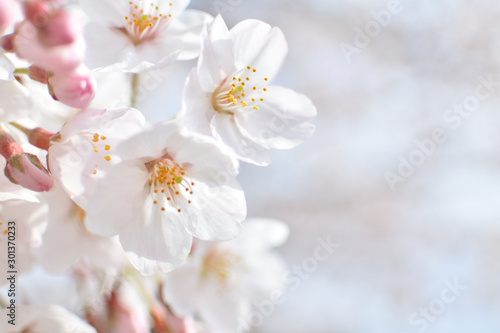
139, 35
86, 148
76, 88
43, 319
219, 281
170, 186
55, 43
26, 222
229, 96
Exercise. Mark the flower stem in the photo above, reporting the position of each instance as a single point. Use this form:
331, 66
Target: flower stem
135, 86
21, 71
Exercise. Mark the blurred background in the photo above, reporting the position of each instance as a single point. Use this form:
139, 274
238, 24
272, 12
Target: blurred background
403, 172
418, 240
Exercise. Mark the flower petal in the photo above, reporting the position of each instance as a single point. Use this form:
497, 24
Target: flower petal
258, 45
107, 215
225, 129
216, 210
270, 233
106, 47
188, 29
216, 60
110, 13
156, 241
282, 121
197, 110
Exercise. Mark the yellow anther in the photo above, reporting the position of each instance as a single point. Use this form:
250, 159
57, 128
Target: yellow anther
103, 137
244, 103
107, 158
256, 108
107, 147
96, 149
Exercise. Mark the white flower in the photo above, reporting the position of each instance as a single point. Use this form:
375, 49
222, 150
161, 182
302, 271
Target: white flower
220, 280
138, 35
171, 186
86, 148
229, 96
43, 319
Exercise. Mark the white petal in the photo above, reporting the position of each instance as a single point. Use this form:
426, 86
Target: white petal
107, 48
110, 13
216, 211
197, 110
259, 235
201, 157
225, 129
156, 241
152, 54
117, 201
258, 45
216, 60
178, 6
15, 101
282, 121
182, 288
219, 312
150, 144
188, 28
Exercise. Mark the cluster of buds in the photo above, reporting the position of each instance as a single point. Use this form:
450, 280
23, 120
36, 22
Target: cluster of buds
51, 38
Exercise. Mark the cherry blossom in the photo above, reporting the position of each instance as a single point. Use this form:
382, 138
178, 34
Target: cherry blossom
85, 148
219, 281
229, 96
139, 35
170, 186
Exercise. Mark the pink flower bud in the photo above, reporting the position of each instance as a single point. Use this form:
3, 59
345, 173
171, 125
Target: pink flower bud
48, 47
75, 89
61, 29
22, 168
36, 12
38, 137
27, 170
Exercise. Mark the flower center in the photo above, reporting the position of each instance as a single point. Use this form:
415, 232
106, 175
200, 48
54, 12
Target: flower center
241, 93
145, 20
219, 264
169, 186
100, 148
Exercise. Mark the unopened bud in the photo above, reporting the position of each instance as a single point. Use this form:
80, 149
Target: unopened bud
75, 89
26, 170
61, 29
38, 137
